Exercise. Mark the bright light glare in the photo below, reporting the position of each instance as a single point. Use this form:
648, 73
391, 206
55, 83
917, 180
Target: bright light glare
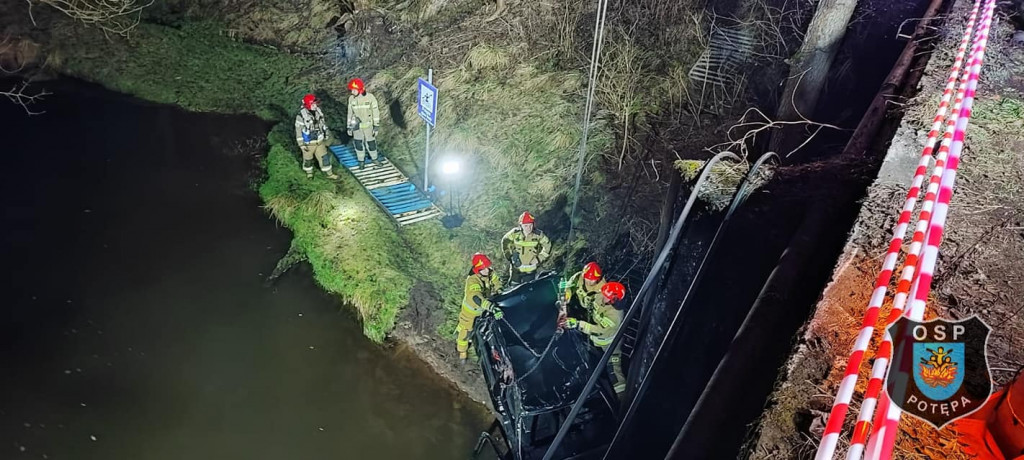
450, 167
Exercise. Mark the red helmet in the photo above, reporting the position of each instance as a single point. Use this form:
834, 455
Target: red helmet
526, 218
356, 84
480, 262
613, 291
591, 271
308, 100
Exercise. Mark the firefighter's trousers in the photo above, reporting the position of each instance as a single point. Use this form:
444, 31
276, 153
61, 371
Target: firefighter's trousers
517, 276
466, 318
616, 363
315, 152
364, 141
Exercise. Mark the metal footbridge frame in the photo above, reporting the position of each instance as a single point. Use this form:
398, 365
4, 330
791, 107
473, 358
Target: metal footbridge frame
390, 188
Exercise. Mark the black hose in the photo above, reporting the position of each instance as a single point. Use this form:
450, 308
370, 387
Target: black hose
662, 257
742, 191
749, 342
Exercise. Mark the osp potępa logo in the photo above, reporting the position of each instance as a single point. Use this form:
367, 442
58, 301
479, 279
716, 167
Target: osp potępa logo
939, 371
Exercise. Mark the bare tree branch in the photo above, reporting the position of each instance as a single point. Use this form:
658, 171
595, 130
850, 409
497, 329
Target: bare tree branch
18, 95
761, 123
118, 17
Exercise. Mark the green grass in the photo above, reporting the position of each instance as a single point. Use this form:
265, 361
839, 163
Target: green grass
351, 245
515, 126
193, 66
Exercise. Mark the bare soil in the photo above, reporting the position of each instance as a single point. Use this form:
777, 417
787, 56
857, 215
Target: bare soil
979, 269
417, 331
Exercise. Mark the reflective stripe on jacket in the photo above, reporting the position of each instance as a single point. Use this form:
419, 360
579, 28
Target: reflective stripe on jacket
363, 111
604, 323
312, 123
478, 289
528, 246
578, 289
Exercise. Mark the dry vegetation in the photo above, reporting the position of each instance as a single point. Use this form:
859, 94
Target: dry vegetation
974, 275
117, 17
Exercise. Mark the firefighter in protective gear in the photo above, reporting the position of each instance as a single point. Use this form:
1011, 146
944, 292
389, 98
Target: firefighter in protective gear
526, 248
311, 133
602, 323
363, 121
481, 284
585, 286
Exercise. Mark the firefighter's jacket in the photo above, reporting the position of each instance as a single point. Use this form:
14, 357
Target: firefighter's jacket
536, 244
586, 296
310, 126
363, 112
602, 324
478, 289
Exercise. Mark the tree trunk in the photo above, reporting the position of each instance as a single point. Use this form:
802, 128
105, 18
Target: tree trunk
809, 68
668, 208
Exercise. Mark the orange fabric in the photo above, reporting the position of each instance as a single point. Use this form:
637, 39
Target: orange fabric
975, 440
989, 433
1007, 421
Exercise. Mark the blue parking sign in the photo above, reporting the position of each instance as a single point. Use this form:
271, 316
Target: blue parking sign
427, 102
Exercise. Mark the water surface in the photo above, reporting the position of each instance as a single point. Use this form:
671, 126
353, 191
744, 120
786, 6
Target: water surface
136, 324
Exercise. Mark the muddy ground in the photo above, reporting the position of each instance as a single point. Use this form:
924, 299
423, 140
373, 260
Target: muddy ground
979, 270
417, 331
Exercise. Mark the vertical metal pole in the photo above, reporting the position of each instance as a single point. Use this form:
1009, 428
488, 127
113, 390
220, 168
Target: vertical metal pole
595, 59
631, 311
426, 157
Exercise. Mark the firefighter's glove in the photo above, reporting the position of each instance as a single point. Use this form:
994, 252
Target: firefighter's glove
563, 284
571, 323
498, 314
349, 133
376, 129
516, 261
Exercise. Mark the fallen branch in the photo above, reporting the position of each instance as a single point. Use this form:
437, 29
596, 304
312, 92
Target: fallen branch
753, 128
19, 96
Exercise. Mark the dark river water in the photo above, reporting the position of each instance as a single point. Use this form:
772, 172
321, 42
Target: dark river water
135, 323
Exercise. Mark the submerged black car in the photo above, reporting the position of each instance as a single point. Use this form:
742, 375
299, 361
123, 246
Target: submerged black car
535, 371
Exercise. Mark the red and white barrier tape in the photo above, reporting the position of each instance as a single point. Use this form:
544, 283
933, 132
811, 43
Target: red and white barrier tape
884, 355
833, 428
881, 446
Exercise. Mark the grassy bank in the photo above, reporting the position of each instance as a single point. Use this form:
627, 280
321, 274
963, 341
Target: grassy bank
514, 125
192, 66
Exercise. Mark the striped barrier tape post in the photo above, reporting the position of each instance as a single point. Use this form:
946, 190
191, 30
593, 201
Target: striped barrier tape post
884, 355
833, 428
933, 239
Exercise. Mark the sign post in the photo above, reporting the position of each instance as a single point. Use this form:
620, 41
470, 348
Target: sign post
428, 112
